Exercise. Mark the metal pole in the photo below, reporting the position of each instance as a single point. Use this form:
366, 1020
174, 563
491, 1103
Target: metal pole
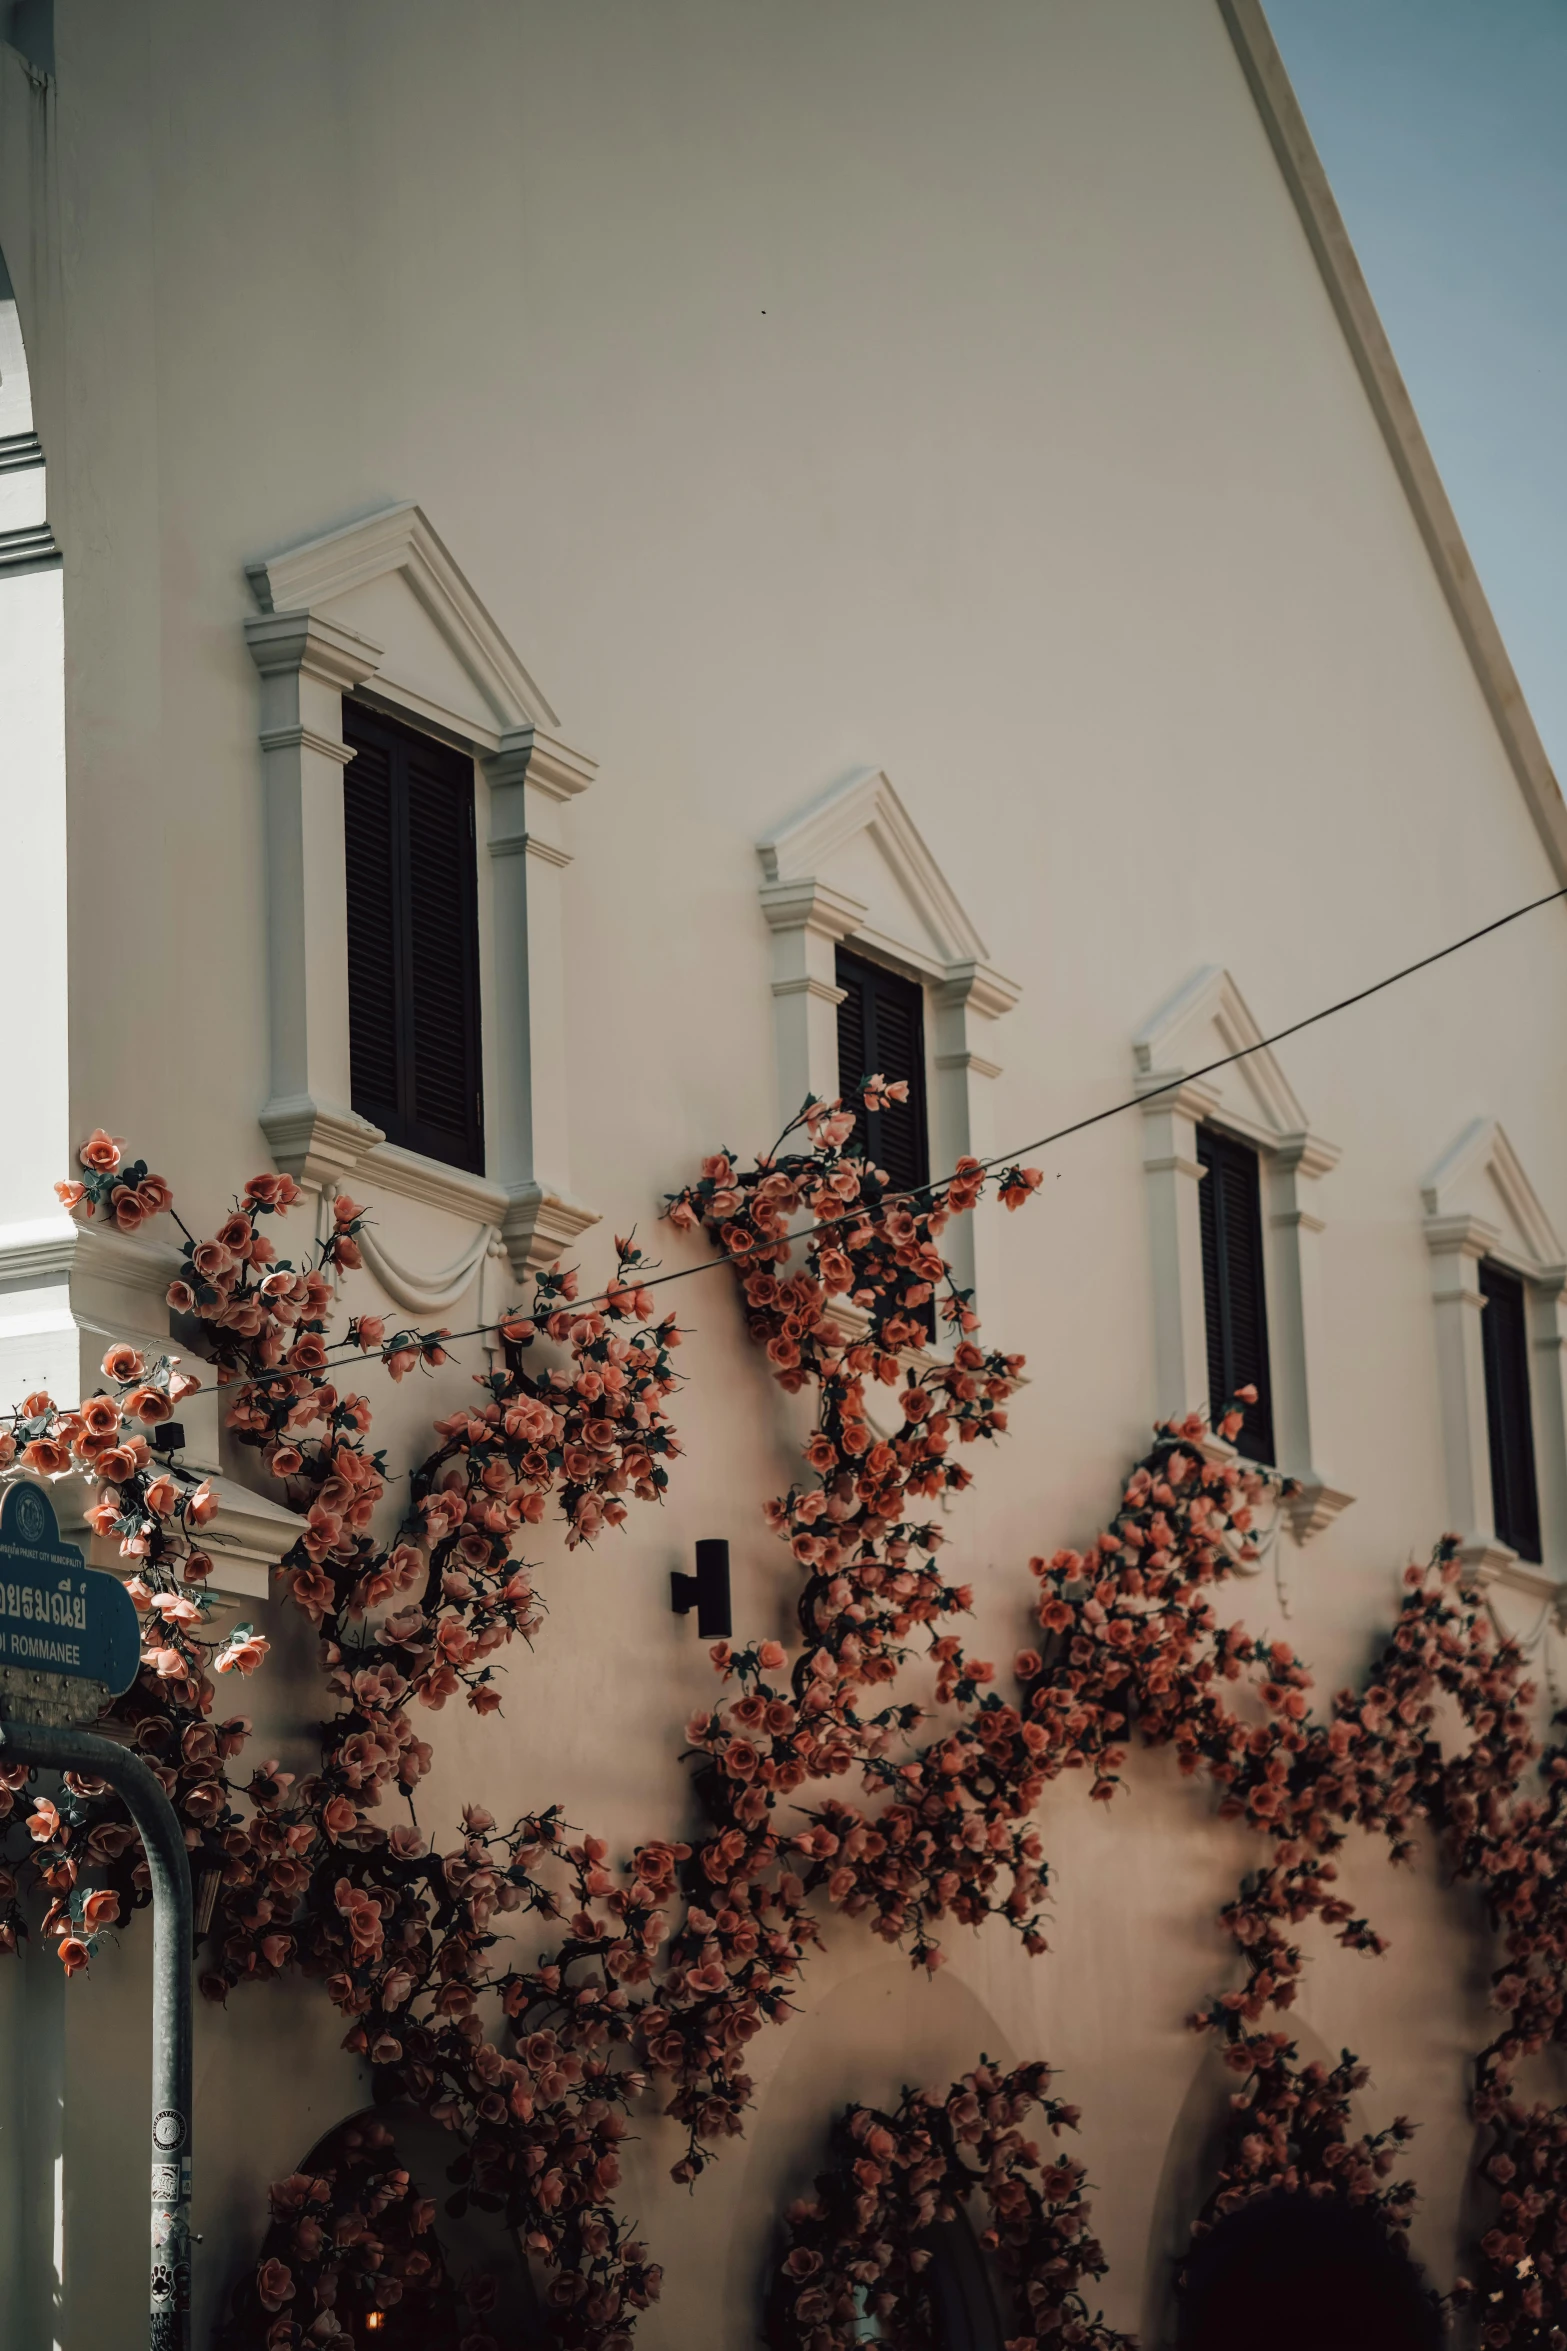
164, 1844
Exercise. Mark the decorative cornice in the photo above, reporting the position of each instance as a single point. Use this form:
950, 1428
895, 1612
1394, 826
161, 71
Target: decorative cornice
247, 1538
1460, 1236
37, 1250
1307, 1153
135, 1261
303, 738
400, 539
1482, 1154
1210, 998
284, 641
32, 548
20, 452
1488, 1562
1164, 1090
803, 903
539, 1224
1394, 411
978, 987
975, 1062
1313, 1506
528, 755
806, 985
865, 802
317, 1143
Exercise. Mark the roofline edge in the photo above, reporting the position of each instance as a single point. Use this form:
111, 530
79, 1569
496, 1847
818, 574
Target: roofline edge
1307, 181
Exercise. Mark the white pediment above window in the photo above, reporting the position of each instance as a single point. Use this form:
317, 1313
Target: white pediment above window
433, 650
1204, 1022
860, 841
1479, 1180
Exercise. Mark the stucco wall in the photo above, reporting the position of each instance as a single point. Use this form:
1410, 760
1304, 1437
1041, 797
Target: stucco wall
946, 391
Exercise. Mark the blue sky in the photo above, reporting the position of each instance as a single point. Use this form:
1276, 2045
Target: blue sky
1443, 126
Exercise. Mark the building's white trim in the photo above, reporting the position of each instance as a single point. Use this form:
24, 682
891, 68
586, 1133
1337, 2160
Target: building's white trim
1478, 1204
1394, 411
921, 930
865, 802
309, 657
1203, 1021
401, 539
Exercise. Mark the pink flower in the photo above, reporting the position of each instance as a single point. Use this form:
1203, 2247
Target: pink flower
202, 1506
100, 1152
274, 2284
73, 1955
243, 1656
127, 1207
72, 1197
101, 1416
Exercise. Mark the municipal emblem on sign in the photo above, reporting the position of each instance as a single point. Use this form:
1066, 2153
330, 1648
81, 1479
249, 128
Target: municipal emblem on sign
69, 1640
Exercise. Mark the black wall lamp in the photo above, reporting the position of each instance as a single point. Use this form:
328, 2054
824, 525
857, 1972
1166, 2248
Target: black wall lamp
707, 1591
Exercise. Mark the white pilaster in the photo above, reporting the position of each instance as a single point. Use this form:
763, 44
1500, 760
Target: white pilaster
967, 1004
807, 920
533, 780
1457, 1244
307, 665
1171, 1118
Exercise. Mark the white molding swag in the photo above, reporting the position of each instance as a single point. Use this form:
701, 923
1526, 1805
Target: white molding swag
1478, 1204
1201, 1022
445, 666
853, 868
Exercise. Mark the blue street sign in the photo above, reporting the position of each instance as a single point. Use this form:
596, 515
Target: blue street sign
57, 1615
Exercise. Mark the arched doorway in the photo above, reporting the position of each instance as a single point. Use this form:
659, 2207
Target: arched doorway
1304, 2273
388, 2168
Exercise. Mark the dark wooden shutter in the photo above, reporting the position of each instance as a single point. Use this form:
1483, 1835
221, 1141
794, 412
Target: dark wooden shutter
1235, 1306
881, 1027
413, 960
1509, 1416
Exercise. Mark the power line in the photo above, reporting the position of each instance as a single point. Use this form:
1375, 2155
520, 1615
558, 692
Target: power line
1043, 1142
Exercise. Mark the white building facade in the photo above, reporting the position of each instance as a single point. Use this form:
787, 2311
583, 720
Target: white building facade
910, 485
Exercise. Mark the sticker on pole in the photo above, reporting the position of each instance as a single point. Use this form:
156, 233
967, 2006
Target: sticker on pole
69, 1640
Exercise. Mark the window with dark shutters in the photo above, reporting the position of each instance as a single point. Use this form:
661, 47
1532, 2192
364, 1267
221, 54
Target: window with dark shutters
413, 949
1509, 1417
1234, 1298
881, 1027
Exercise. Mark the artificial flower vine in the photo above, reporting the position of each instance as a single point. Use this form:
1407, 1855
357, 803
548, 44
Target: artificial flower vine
859, 2251
671, 1966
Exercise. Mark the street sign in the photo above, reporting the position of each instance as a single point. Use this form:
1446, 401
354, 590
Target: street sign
69, 1640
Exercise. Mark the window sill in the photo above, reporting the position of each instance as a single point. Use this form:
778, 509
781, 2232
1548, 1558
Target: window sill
414, 1177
